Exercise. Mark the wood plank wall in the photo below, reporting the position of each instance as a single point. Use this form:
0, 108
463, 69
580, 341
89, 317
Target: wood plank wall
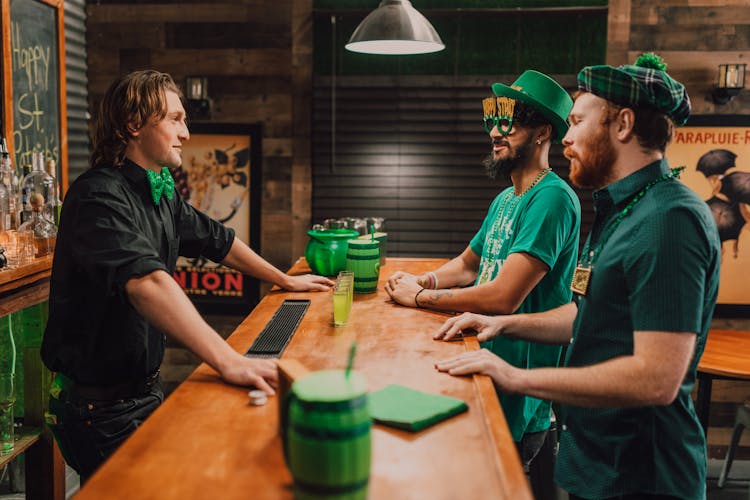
257, 55
409, 149
694, 37
76, 88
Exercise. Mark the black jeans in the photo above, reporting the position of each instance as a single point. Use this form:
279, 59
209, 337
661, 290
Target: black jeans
88, 431
529, 447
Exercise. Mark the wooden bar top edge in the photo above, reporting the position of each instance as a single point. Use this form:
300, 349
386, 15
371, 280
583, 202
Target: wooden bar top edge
508, 463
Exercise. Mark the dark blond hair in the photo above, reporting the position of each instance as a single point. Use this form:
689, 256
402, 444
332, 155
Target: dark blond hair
128, 105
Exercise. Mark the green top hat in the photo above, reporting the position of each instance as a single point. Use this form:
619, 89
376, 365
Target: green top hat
543, 94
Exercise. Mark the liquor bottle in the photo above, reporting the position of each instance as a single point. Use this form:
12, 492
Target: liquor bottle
5, 193
9, 180
24, 214
5, 218
54, 205
44, 231
38, 182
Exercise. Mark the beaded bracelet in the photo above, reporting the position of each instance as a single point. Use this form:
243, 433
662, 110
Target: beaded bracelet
417, 295
434, 279
430, 282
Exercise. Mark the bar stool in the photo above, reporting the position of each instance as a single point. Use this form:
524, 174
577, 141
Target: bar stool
742, 421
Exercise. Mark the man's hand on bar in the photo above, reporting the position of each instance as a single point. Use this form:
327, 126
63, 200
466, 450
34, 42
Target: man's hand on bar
241, 370
484, 362
403, 289
487, 327
308, 283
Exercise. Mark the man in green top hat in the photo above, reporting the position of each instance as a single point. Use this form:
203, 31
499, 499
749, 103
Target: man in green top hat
645, 286
523, 256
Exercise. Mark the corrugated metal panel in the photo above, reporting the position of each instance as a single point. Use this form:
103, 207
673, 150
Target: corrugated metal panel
76, 82
409, 149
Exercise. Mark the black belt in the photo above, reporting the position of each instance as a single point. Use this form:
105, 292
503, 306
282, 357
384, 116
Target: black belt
126, 390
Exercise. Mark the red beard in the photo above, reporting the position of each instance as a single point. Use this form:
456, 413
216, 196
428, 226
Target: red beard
591, 166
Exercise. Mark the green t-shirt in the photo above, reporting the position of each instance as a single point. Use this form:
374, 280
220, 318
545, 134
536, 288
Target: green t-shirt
659, 270
544, 223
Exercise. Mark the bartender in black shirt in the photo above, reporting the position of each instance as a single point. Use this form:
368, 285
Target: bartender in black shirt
112, 295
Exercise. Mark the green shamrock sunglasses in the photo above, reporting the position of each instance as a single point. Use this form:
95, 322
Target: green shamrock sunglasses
498, 112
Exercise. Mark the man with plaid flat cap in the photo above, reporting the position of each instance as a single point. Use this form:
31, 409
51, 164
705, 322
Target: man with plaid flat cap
645, 289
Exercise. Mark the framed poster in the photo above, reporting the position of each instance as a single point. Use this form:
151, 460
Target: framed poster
715, 149
221, 176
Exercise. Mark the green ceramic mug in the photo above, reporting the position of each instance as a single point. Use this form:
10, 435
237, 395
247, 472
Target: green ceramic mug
326, 250
326, 430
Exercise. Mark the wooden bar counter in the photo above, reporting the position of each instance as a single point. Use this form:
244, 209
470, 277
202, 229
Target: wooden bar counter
206, 441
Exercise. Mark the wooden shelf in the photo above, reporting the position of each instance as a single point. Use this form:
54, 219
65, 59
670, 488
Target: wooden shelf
25, 437
11, 279
25, 286
24, 297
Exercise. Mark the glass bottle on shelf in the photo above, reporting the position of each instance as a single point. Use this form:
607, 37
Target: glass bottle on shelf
5, 193
44, 231
54, 204
4, 209
9, 180
37, 182
24, 212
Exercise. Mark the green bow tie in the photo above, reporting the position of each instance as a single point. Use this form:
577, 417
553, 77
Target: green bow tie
161, 184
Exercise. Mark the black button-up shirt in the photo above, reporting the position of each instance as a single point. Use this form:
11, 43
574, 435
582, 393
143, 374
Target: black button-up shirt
111, 231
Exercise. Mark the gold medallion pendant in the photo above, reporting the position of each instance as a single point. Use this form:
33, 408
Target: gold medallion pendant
581, 278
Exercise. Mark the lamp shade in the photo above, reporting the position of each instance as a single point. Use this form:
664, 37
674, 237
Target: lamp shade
395, 28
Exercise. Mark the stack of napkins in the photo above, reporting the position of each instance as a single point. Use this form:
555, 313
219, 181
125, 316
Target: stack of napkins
413, 410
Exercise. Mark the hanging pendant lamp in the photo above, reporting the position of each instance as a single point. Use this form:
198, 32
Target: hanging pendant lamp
395, 28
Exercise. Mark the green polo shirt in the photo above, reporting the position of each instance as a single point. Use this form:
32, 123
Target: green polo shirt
544, 223
658, 271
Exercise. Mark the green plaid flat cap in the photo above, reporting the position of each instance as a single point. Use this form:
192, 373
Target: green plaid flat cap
644, 84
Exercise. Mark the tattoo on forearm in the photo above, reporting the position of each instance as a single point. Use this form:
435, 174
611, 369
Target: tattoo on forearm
433, 297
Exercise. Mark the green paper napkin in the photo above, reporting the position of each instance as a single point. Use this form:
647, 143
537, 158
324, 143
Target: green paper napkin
413, 410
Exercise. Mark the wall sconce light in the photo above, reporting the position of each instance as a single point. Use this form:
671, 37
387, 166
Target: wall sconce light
198, 103
731, 81
395, 28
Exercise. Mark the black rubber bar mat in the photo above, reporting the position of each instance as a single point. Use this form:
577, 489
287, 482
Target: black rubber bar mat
275, 336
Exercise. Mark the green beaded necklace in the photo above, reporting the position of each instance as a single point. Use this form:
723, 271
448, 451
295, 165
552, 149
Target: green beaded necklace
501, 219
582, 273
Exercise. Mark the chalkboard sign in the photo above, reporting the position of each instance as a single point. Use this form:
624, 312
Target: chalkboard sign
35, 115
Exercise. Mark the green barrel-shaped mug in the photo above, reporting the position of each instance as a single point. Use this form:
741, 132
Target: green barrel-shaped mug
363, 259
383, 240
327, 436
